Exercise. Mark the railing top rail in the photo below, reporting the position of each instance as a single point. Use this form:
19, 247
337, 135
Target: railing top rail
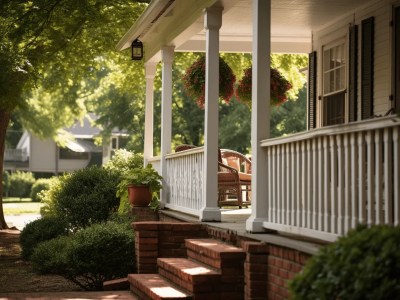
154, 158
372, 124
185, 152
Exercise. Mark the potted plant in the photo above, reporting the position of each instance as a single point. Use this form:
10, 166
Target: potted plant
279, 86
139, 184
195, 81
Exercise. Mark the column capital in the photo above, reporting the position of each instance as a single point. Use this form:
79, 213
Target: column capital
150, 69
167, 54
213, 17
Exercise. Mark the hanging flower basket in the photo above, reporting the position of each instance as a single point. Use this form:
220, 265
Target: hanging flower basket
195, 81
279, 87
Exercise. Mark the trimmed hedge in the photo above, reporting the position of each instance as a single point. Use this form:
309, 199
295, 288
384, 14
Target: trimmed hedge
38, 231
82, 198
20, 184
98, 253
40, 185
365, 264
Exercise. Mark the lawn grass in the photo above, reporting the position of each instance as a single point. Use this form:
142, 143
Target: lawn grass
16, 200
17, 208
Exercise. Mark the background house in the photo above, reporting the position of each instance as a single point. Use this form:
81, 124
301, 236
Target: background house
45, 156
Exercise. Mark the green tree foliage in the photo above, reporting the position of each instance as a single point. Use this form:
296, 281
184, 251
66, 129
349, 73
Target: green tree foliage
291, 116
98, 253
47, 50
365, 264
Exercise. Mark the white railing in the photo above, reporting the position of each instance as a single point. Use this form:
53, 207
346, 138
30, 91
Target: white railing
323, 182
185, 180
17, 155
156, 163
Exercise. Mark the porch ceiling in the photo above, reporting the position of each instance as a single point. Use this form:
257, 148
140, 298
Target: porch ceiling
180, 23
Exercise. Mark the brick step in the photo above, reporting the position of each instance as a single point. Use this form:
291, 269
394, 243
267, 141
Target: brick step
226, 259
154, 287
215, 253
190, 275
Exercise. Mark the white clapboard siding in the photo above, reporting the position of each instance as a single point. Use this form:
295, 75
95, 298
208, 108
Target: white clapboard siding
328, 180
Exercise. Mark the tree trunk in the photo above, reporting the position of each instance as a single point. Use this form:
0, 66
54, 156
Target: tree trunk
4, 120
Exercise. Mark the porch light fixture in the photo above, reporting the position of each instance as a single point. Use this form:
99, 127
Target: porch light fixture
137, 50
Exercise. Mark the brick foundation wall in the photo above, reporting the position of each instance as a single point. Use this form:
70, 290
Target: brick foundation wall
144, 214
162, 239
268, 269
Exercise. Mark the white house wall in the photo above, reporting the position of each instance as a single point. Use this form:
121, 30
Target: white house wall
43, 155
43, 158
69, 165
381, 10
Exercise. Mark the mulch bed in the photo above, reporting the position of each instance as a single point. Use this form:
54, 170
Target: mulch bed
16, 275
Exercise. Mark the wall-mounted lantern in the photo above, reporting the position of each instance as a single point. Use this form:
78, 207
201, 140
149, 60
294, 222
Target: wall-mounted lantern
137, 50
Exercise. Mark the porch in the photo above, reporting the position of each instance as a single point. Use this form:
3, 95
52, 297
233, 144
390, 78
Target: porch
319, 183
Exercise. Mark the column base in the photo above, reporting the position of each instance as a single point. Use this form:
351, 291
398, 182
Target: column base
255, 225
210, 214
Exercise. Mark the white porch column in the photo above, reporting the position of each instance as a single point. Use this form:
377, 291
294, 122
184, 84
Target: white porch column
260, 112
167, 57
212, 24
150, 72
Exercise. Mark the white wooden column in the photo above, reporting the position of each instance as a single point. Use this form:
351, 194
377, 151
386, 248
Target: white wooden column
167, 57
212, 23
260, 113
150, 72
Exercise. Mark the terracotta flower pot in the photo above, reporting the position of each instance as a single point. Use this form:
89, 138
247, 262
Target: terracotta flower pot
139, 195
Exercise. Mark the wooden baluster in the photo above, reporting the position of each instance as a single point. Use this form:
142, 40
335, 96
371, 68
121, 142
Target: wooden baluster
347, 183
341, 172
334, 168
388, 175
370, 177
396, 175
327, 186
378, 178
353, 180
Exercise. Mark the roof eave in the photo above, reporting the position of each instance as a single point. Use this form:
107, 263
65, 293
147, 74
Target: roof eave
145, 19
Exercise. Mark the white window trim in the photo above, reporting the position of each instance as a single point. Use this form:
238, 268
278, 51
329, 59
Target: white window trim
338, 38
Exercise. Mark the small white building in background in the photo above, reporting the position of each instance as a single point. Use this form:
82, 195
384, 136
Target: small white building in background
44, 155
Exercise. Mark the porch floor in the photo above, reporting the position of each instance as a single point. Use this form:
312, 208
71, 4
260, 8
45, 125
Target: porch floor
234, 221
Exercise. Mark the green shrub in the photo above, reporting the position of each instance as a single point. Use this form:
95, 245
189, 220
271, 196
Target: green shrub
38, 231
100, 252
49, 197
124, 160
122, 163
40, 185
6, 183
86, 197
363, 265
21, 184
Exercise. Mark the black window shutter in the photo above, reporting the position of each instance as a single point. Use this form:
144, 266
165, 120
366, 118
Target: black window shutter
396, 43
367, 68
312, 89
353, 63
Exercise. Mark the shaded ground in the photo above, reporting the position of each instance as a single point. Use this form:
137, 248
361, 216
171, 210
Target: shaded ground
17, 275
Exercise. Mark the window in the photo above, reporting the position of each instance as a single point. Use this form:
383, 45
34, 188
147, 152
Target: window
334, 83
114, 143
334, 69
66, 153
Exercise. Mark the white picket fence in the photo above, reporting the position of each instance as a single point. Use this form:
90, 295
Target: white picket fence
185, 180
323, 182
